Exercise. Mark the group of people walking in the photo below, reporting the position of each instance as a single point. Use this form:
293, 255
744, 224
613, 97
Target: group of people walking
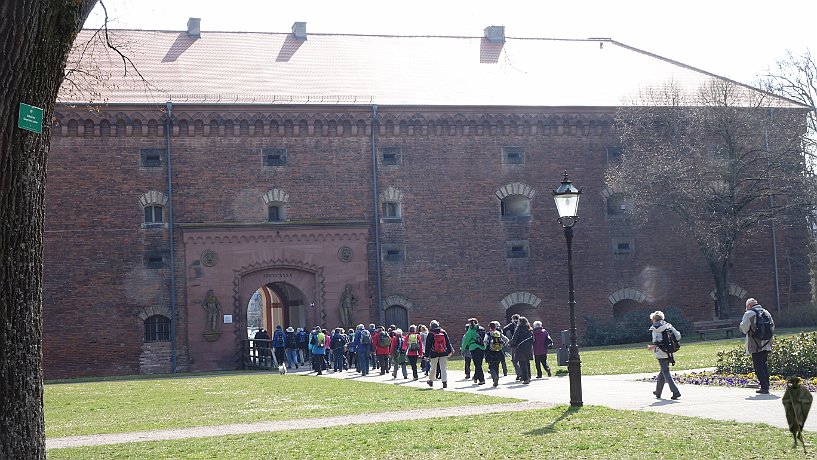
423, 349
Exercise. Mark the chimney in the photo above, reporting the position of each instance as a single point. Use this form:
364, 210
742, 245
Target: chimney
194, 27
495, 34
299, 30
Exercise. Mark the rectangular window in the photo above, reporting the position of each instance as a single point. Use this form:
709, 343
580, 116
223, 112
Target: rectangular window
390, 155
151, 158
274, 214
614, 153
274, 156
153, 215
393, 252
154, 259
513, 155
516, 249
623, 247
390, 211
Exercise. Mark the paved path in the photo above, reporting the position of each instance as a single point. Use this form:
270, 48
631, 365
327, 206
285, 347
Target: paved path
615, 391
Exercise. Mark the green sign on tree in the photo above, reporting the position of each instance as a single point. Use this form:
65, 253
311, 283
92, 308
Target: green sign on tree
30, 118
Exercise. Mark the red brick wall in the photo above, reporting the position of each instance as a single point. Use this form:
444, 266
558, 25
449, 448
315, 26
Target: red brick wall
455, 265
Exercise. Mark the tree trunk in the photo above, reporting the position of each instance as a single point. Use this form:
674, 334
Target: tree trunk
720, 274
35, 39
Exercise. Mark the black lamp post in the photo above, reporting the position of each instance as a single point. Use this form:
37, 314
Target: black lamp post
567, 204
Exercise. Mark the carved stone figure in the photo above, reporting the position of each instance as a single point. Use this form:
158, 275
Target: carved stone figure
213, 308
347, 303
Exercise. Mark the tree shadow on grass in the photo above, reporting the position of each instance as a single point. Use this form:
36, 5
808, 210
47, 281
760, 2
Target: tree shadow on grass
570, 410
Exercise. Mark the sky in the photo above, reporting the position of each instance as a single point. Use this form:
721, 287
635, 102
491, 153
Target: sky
730, 38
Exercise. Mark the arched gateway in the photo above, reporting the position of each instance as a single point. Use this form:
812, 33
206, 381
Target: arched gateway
298, 273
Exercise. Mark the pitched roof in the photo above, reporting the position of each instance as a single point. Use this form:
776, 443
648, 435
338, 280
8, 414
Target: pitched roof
264, 68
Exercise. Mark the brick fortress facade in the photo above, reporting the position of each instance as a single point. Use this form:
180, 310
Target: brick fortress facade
461, 208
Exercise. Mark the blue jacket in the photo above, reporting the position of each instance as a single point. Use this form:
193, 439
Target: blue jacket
278, 339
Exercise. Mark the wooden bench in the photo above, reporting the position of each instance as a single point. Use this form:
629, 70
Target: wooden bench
702, 327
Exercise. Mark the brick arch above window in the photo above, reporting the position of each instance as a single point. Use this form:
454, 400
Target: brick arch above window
391, 195
276, 195
627, 293
734, 290
153, 198
515, 188
147, 312
519, 297
397, 300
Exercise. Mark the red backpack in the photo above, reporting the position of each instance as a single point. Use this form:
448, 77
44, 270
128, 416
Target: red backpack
439, 343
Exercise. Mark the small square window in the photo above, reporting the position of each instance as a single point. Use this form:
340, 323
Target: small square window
614, 153
151, 158
390, 155
274, 156
393, 253
516, 249
513, 155
623, 246
154, 260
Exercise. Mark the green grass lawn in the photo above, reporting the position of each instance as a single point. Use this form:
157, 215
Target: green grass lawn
635, 358
188, 401
557, 433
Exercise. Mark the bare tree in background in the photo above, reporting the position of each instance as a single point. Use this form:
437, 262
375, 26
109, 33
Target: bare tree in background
719, 159
795, 77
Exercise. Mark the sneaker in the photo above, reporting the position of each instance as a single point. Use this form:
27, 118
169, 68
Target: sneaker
657, 394
526, 382
678, 395
538, 376
481, 383
445, 384
431, 384
548, 371
467, 376
496, 383
762, 392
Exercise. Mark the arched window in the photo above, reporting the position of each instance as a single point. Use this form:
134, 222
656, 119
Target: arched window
514, 200
397, 315
276, 201
153, 203
157, 329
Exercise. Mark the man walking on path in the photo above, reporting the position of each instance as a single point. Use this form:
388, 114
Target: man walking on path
758, 325
473, 342
438, 348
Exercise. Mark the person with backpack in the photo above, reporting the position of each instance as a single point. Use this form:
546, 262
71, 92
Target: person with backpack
399, 353
338, 346
351, 351
426, 362
372, 353
414, 349
541, 342
495, 343
303, 345
509, 331
278, 344
758, 325
382, 347
317, 345
664, 346
474, 342
522, 341
438, 348
363, 344
291, 348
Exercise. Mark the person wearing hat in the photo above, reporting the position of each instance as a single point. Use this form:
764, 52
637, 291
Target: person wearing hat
291, 348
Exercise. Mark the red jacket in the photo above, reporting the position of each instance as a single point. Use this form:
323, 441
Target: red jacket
378, 350
419, 344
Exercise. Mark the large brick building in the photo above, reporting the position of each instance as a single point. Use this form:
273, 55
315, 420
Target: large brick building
254, 178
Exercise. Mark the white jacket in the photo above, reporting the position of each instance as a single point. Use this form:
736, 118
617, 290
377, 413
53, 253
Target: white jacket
657, 337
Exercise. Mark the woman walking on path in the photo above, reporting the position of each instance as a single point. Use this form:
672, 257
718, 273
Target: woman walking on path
414, 347
541, 342
658, 327
522, 340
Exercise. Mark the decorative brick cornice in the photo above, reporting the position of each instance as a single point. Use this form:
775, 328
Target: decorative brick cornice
341, 122
274, 237
519, 297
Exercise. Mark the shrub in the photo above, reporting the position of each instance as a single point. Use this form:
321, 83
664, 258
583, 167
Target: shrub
796, 355
632, 327
796, 316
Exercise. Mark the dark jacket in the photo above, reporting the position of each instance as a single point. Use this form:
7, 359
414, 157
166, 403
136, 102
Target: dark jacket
262, 338
509, 330
523, 341
429, 345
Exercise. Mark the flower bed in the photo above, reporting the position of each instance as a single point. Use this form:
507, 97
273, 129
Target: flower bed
735, 380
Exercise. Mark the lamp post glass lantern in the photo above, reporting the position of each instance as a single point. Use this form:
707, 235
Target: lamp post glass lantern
567, 204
